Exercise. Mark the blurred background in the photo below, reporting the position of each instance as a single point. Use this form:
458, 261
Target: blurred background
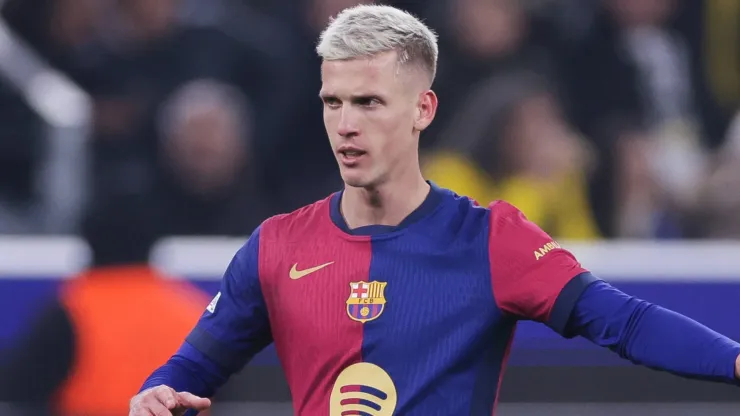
161, 132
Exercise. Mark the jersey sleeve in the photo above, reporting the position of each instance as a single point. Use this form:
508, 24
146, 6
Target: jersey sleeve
235, 325
533, 277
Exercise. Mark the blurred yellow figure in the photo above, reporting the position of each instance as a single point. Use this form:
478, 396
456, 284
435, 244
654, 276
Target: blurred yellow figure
517, 147
560, 207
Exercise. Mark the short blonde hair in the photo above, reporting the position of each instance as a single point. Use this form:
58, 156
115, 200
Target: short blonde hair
367, 30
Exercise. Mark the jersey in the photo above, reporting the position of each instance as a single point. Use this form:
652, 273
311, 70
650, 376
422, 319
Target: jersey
406, 320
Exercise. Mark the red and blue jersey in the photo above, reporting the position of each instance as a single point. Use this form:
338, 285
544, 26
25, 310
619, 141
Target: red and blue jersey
412, 319
417, 319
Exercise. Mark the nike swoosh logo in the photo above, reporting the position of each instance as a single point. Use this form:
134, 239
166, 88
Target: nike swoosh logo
296, 274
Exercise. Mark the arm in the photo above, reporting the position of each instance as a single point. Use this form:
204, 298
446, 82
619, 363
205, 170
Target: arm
35, 368
231, 331
532, 276
548, 285
649, 335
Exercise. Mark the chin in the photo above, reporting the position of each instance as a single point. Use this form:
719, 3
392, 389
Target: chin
357, 179
355, 182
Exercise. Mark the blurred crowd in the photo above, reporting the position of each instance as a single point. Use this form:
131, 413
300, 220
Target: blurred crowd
597, 118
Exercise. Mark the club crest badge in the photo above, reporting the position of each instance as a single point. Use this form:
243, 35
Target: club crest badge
366, 301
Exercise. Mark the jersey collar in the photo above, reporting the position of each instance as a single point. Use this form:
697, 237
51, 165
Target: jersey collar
431, 202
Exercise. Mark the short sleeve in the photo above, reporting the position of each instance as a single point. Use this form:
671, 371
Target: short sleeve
235, 325
533, 277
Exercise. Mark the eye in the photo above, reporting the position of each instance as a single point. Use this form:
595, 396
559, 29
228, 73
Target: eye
331, 102
369, 101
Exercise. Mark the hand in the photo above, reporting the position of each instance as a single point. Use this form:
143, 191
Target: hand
165, 401
737, 367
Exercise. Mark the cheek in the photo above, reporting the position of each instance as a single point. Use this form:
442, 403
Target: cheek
398, 142
397, 123
330, 124
327, 119
391, 131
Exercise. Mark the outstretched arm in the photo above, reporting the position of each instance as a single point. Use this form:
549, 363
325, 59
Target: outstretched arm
536, 279
653, 336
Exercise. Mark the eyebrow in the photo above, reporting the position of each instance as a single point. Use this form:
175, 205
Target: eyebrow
353, 97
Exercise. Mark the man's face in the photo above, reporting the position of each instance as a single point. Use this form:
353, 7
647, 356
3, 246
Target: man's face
489, 28
206, 150
373, 112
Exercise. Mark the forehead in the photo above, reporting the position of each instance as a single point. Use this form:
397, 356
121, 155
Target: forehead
350, 76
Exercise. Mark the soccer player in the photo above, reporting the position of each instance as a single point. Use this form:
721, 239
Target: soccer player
394, 296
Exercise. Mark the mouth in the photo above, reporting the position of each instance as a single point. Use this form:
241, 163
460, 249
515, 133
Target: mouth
350, 156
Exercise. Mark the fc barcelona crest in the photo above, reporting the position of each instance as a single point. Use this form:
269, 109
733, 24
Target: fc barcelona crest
366, 300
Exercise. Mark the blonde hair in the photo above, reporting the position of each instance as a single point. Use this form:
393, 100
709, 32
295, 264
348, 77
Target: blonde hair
367, 30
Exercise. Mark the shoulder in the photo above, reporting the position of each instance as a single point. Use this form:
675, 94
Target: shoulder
509, 228
298, 224
459, 216
284, 238
269, 240
497, 216
458, 204
507, 221
501, 221
503, 213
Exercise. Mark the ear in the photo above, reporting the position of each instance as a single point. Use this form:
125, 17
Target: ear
426, 109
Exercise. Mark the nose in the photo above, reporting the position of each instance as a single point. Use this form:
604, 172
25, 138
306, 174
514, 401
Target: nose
347, 123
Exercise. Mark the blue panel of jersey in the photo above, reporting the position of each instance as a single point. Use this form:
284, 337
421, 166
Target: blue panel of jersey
238, 328
441, 337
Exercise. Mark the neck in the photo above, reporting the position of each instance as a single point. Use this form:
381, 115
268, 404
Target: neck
386, 204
